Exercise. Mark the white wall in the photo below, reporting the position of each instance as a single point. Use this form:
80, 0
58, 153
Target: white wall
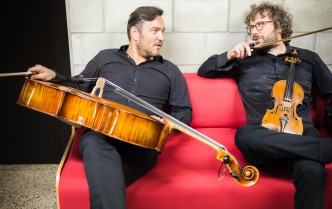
195, 29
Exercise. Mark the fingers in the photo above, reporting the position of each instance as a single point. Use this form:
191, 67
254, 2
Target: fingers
41, 73
36, 69
158, 118
240, 51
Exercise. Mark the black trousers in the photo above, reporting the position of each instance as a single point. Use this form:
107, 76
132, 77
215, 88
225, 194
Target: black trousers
264, 148
110, 165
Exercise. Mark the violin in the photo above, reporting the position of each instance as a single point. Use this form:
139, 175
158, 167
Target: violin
287, 95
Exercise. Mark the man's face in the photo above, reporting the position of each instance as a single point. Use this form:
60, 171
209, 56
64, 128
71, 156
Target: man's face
264, 30
151, 37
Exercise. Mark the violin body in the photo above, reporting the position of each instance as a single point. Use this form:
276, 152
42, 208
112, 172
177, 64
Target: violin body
79, 108
283, 117
287, 95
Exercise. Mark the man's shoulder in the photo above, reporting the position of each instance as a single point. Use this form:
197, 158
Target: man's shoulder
168, 62
305, 54
108, 54
171, 66
108, 51
302, 50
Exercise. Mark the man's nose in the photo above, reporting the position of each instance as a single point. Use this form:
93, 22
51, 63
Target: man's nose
161, 36
253, 30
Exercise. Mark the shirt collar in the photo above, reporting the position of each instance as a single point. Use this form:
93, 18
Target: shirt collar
288, 48
124, 48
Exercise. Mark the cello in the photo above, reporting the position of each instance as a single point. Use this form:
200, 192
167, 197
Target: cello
121, 122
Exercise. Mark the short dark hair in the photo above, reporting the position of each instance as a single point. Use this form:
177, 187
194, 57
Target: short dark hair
141, 14
281, 18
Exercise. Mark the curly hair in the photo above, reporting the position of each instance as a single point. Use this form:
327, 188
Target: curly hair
281, 18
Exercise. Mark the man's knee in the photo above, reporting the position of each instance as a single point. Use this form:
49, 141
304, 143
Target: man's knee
243, 135
91, 142
310, 170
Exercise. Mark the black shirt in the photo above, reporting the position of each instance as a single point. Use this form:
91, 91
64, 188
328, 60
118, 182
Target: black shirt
256, 75
158, 82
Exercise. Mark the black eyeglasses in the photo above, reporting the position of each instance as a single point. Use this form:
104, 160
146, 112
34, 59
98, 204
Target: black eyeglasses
259, 25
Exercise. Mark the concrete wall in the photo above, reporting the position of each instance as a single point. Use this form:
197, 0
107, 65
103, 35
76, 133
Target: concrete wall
195, 29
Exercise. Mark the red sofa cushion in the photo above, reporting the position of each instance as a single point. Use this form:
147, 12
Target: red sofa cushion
186, 176
215, 103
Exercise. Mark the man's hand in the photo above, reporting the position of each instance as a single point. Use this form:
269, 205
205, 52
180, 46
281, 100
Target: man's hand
158, 118
240, 50
41, 73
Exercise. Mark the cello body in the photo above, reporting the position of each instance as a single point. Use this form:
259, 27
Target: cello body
79, 108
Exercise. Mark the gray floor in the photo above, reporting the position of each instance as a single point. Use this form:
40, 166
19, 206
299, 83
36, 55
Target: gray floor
28, 186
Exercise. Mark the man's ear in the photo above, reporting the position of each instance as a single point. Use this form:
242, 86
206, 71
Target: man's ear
134, 33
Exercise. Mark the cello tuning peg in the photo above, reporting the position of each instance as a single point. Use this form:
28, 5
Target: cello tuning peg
234, 175
226, 159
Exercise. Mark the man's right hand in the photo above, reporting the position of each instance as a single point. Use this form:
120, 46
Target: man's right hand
41, 73
240, 50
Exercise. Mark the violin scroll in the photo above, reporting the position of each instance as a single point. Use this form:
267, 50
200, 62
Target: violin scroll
294, 58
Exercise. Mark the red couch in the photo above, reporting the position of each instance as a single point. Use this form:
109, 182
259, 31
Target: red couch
186, 175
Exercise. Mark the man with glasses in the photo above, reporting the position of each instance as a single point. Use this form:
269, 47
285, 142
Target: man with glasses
256, 70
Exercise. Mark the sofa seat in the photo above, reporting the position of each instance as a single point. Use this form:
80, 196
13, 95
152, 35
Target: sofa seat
186, 174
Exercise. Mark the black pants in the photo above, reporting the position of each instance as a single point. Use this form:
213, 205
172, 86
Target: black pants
111, 165
264, 148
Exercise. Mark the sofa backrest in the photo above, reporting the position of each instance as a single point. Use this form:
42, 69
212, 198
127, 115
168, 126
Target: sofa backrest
216, 102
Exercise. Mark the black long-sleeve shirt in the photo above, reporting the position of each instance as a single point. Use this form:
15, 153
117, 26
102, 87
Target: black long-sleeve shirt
158, 82
256, 75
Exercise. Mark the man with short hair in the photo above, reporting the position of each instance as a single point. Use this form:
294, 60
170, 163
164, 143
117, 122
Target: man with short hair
111, 164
